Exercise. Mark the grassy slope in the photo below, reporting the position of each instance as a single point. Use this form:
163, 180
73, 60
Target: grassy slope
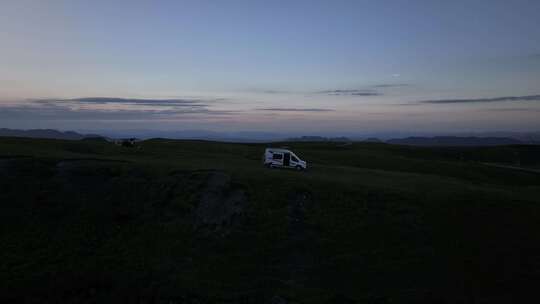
378, 223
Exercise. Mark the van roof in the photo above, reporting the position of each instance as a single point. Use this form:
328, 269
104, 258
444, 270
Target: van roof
278, 150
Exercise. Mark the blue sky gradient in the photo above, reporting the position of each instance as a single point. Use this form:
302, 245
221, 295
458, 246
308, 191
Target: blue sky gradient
352, 66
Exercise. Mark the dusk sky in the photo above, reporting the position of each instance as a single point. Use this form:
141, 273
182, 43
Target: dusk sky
275, 66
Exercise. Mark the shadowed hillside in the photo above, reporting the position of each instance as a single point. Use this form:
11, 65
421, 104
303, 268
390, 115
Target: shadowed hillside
175, 221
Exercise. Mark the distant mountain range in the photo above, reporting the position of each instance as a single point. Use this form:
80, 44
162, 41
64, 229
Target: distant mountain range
461, 141
248, 136
319, 138
146, 134
45, 133
456, 141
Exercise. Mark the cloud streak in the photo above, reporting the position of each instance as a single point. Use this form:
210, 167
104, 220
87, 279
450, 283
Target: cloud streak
269, 91
515, 110
60, 113
130, 101
390, 85
106, 108
295, 109
483, 100
370, 90
350, 92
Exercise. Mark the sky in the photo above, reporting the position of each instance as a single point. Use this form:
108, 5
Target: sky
302, 67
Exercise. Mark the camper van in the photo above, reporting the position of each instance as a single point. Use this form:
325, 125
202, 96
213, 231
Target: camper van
282, 158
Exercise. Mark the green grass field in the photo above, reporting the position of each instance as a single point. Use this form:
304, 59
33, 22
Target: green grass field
204, 222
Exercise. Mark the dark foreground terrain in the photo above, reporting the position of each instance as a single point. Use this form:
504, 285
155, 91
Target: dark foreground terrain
204, 222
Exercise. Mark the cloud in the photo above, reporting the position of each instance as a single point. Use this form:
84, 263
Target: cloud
58, 113
295, 110
390, 85
515, 110
478, 100
369, 91
130, 101
105, 108
350, 92
268, 91
273, 92
365, 94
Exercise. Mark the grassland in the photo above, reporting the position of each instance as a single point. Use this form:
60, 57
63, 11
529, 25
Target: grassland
204, 222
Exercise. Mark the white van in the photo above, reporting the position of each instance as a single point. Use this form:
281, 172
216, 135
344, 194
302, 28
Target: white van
282, 158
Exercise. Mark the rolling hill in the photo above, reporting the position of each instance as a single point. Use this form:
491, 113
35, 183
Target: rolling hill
174, 221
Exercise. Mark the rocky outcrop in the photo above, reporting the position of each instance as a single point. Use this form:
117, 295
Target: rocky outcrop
221, 205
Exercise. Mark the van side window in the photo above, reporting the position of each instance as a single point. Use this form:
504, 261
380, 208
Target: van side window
294, 159
277, 156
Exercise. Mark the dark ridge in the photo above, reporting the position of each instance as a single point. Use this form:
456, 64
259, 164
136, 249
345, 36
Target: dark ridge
47, 133
455, 141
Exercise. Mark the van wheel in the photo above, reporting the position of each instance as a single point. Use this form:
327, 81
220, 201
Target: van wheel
299, 168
